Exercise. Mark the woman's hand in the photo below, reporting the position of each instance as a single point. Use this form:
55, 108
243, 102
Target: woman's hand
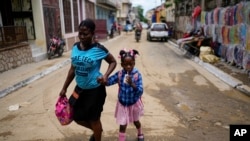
102, 80
63, 92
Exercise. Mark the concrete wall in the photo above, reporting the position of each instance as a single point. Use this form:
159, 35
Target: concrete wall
182, 25
15, 56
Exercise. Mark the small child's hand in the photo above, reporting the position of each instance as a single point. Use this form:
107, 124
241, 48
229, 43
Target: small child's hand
129, 80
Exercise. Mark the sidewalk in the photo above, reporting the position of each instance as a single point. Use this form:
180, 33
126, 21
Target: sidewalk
227, 78
17, 78
14, 79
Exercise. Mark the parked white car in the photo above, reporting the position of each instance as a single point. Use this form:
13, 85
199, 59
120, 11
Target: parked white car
158, 31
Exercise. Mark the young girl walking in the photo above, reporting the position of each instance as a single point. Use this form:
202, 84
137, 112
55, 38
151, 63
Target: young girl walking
129, 107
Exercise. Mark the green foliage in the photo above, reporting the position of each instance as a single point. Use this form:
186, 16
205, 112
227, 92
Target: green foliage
140, 14
177, 1
168, 5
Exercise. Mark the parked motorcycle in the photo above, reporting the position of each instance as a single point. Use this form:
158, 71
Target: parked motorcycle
56, 46
137, 35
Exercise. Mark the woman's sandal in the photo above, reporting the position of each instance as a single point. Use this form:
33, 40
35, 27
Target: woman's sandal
141, 137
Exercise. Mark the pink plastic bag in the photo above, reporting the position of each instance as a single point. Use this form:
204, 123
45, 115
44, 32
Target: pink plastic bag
63, 111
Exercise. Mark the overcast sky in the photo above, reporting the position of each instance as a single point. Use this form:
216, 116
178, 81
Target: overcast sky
146, 4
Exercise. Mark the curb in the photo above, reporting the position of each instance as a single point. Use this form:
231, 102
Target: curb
219, 73
231, 81
27, 81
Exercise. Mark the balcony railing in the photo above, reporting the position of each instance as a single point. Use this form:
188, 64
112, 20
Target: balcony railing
11, 35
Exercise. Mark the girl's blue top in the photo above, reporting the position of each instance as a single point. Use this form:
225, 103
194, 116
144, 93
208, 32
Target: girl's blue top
127, 95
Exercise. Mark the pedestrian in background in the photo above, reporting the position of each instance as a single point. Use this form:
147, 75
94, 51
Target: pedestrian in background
138, 26
126, 28
171, 32
89, 94
129, 107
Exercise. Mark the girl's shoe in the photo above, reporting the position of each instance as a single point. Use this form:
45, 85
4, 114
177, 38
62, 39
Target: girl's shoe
141, 137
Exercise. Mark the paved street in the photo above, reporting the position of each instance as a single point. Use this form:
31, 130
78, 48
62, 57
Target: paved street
183, 101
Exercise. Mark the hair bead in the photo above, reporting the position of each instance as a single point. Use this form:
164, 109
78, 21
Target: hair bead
131, 53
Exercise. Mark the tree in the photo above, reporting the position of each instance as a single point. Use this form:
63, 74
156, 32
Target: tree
140, 13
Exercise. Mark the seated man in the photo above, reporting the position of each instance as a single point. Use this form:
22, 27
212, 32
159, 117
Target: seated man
194, 47
187, 36
199, 33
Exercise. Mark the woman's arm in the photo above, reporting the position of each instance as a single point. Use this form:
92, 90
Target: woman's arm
70, 77
112, 64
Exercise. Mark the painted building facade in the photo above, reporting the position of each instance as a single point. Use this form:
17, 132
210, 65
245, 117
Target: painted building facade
106, 14
125, 8
31, 23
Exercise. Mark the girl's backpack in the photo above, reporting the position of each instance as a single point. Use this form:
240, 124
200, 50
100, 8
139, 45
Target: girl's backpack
63, 111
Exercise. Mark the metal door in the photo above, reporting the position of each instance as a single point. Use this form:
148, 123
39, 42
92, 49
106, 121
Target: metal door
52, 21
90, 9
101, 28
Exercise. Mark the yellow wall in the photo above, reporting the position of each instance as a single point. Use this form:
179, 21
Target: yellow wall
158, 15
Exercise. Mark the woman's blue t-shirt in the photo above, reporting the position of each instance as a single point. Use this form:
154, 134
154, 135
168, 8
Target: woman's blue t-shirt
87, 64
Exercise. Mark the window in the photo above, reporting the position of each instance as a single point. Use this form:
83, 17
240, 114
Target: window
75, 10
67, 16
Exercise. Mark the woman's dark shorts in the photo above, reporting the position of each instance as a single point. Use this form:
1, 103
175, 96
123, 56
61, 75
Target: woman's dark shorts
90, 103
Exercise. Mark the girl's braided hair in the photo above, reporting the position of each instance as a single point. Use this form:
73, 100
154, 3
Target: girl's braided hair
131, 53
